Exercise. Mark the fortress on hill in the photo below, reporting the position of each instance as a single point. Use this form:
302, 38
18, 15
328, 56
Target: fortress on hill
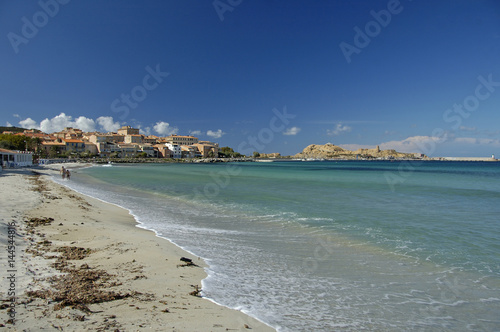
331, 151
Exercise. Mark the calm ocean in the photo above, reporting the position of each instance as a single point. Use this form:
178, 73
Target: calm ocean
324, 246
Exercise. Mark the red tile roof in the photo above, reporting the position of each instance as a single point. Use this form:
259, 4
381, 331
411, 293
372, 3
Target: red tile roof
73, 141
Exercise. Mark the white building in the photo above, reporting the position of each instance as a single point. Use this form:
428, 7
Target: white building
176, 150
10, 159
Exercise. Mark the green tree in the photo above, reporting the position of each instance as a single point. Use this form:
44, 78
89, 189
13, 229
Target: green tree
256, 154
53, 152
226, 152
43, 153
16, 142
6, 145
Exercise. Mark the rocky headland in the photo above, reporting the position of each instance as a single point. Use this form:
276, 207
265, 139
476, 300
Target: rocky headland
331, 151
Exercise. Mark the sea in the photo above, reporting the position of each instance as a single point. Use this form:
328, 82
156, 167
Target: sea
328, 245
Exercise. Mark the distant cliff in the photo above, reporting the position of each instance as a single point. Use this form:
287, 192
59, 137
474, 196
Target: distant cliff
270, 155
331, 151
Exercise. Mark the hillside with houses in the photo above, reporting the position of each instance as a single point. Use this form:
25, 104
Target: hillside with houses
127, 142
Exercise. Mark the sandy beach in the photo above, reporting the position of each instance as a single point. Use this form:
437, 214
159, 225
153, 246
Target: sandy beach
73, 263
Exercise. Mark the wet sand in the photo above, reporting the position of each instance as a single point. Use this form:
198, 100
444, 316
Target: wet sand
81, 264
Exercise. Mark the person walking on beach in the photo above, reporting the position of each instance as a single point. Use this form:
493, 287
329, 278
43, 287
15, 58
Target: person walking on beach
63, 172
68, 174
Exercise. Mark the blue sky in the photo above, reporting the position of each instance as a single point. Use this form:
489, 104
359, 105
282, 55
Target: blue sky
273, 76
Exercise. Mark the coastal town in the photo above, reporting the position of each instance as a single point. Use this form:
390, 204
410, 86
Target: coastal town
21, 147
127, 142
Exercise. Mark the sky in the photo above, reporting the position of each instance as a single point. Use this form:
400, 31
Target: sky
262, 75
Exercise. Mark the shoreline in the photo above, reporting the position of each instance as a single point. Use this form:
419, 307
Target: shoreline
144, 283
79, 163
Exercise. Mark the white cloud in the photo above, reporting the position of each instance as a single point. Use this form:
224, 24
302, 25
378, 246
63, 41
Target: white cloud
292, 131
412, 144
57, 123
433, 146
107, 124
487, 141
464, 128
8, 124
339, 129
466, 140
145, 131
164, 128
16, 116
477, 141
423, 143
29, 123
195, 132
215, 134
62, 121
85, 124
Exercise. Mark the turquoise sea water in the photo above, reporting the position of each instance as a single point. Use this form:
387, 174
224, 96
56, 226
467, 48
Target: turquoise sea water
324, 246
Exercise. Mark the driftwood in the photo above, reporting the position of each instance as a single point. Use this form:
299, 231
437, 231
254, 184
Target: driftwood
196, 292
187, 262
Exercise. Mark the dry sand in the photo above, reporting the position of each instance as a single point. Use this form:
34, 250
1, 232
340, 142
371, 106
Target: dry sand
91, 268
